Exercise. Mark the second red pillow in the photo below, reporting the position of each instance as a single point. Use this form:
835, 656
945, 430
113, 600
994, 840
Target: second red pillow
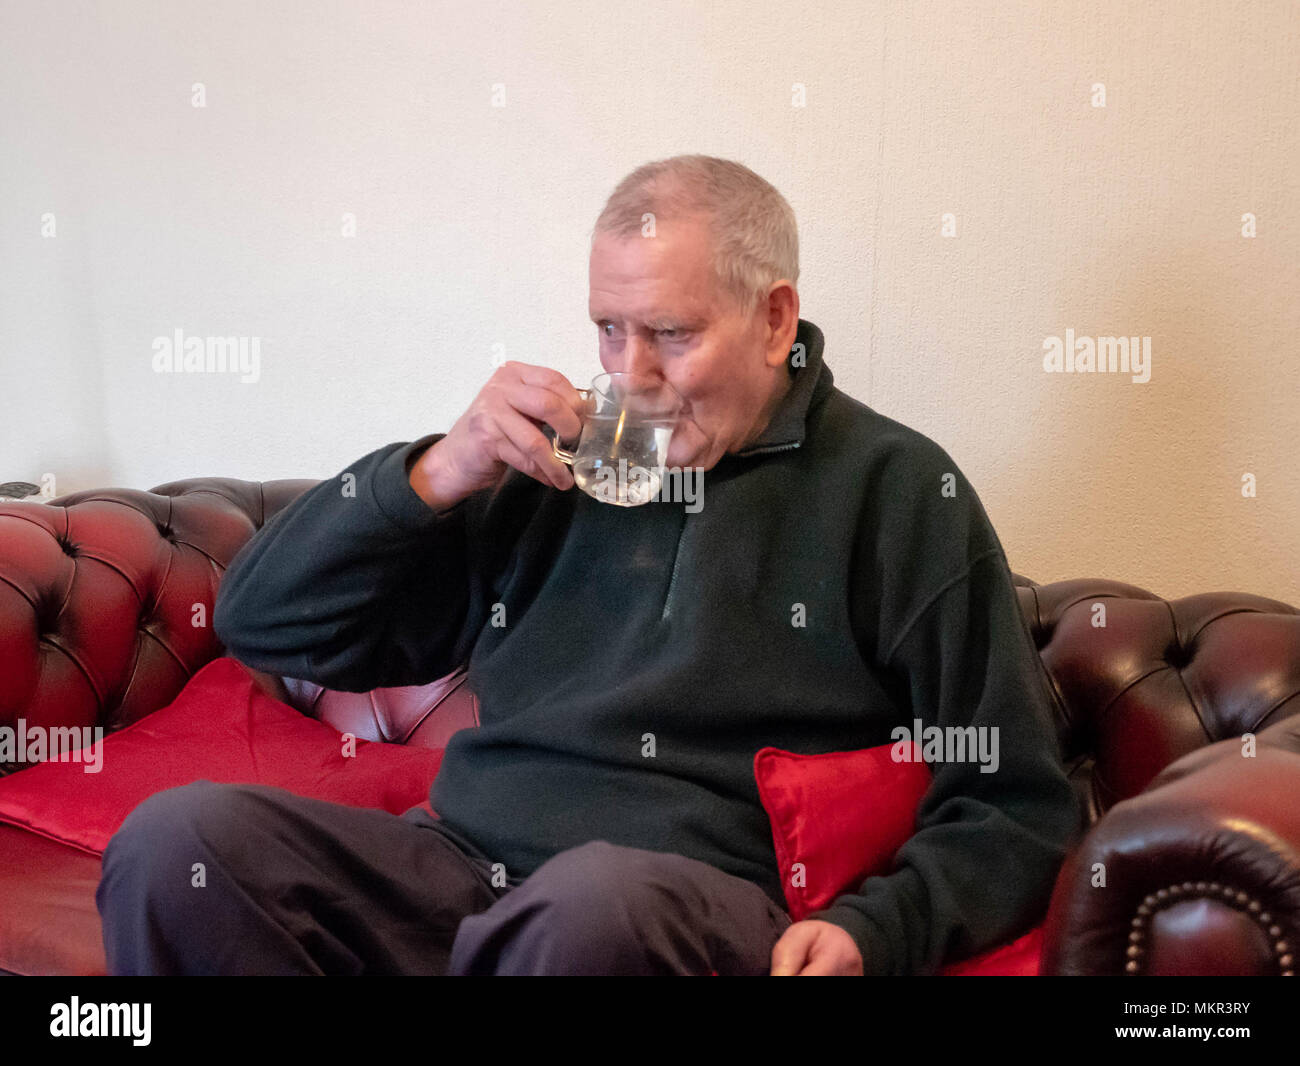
837, 818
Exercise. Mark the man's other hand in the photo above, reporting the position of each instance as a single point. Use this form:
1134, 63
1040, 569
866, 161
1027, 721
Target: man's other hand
813, 948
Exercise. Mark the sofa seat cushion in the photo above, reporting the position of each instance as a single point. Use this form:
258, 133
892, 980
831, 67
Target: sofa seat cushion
48, 922
221, 727
56, 819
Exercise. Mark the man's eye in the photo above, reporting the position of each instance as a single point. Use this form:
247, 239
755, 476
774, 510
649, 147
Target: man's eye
671, 334
607, 328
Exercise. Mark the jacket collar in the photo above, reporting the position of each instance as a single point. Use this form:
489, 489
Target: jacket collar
812, 382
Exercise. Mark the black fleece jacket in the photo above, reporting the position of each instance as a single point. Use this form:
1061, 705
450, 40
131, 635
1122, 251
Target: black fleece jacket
595, 635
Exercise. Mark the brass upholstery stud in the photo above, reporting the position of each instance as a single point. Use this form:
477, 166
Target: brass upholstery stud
1241, 900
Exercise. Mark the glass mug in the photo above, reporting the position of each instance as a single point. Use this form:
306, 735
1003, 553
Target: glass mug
626, 429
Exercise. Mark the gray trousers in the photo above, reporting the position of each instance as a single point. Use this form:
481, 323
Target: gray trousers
248, 879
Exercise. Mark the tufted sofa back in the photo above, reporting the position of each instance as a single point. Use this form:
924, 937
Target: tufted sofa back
106, 601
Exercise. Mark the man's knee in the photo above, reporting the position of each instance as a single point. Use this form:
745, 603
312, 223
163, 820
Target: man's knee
600, 907
598, 879
174, 828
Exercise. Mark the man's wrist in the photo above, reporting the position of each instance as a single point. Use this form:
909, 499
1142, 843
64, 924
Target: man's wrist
871, 944
428, 480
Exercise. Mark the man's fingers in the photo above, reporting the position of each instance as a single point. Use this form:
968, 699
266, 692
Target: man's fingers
526, 448
524, 464
547, 406
819, 965
542, 377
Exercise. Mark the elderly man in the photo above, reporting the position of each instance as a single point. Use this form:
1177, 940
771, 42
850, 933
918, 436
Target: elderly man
841, 580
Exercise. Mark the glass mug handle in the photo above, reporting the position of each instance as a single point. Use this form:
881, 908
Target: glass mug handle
562, 454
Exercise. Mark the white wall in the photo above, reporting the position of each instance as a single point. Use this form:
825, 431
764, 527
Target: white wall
473, 224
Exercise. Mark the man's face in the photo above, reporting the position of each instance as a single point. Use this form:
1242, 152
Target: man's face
659, 310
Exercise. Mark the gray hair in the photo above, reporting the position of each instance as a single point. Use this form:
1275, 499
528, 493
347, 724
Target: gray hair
755, 239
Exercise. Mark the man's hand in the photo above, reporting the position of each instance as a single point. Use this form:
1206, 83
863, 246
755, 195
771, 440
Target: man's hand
501, 427
813, 948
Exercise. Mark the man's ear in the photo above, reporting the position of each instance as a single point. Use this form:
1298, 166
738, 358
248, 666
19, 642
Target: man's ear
782, 313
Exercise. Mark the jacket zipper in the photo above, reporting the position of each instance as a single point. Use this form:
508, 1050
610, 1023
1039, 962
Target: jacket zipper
677, 557
672, 579
768, 449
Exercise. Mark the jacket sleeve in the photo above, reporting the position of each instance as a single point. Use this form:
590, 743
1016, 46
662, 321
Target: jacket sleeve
356, 584
979, 869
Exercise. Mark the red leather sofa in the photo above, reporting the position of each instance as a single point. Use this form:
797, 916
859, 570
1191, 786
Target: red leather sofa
1191, 864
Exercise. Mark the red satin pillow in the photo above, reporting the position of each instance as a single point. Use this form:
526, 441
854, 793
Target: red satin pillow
221, 727
844, 815
841, 816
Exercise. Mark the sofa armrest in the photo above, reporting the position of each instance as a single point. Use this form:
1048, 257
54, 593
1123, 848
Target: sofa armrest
1201, 871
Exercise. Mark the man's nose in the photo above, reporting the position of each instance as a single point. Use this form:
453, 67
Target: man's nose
640, 357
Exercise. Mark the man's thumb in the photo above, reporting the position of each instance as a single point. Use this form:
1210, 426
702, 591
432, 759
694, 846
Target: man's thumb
790, 952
